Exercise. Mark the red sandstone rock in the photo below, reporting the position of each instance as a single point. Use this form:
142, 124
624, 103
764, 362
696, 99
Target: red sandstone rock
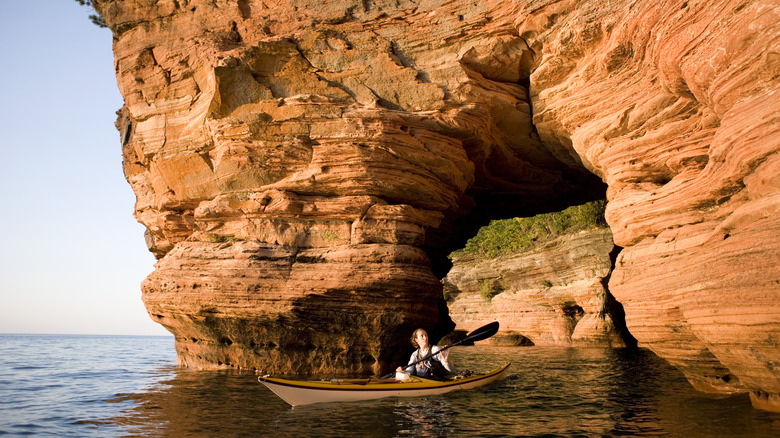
346, 125
551, 295
688, 143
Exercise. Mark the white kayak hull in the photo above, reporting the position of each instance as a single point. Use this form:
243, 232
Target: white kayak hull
299, 393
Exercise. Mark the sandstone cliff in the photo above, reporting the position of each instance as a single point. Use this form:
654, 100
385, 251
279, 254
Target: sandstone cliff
553, 294
300, 166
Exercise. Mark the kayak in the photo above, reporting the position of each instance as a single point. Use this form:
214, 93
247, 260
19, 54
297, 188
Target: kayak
297, 393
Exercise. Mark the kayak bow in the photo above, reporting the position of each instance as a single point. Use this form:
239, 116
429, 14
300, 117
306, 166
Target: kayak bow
299, 393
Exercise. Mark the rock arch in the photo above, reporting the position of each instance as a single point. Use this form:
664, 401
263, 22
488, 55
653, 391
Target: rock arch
305, 167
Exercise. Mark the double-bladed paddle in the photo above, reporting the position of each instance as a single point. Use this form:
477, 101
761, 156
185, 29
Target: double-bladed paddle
479, 334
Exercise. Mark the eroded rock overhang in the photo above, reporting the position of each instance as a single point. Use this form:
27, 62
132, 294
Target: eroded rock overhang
300, 167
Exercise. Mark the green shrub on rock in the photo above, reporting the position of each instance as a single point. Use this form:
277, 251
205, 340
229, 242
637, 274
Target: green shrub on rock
511, 235
490, 288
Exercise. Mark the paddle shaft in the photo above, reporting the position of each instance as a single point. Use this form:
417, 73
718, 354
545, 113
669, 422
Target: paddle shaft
430, 355
479, 334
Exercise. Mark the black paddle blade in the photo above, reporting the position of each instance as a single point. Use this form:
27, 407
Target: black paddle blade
479, 334
483, 332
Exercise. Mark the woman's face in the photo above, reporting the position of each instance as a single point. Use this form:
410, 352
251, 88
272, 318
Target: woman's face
422, 339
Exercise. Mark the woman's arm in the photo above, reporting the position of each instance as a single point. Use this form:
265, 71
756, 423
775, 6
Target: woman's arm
443, 357
409, 368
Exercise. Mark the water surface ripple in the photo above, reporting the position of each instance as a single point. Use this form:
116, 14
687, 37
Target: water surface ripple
130, 386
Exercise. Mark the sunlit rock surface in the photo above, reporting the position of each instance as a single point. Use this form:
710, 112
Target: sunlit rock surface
296, 157
300, 169
553, 294
675, 105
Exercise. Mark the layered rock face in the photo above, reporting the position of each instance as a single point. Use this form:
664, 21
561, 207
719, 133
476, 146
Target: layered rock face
295, 165
675, 105
300, 165
552, 295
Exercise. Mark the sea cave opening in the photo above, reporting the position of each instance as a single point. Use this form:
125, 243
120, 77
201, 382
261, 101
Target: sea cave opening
502, 224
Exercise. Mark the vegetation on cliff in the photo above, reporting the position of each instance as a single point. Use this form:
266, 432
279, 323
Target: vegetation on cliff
510, 235
96, 18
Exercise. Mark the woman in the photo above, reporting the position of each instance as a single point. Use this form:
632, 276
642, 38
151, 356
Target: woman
437, 366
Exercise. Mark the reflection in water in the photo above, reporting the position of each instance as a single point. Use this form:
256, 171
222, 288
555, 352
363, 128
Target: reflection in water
421, 417
551, 391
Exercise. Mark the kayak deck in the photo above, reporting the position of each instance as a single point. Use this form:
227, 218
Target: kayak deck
299, 393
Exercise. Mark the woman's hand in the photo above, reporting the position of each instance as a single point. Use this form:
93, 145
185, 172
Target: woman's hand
399, 370
445, 354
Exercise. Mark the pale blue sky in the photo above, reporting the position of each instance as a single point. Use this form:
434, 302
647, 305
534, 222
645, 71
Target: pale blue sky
72, 256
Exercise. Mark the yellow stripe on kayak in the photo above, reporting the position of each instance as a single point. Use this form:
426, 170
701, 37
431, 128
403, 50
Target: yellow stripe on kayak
414, 383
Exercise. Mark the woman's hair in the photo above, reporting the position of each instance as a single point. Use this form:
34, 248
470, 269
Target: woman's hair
414, 337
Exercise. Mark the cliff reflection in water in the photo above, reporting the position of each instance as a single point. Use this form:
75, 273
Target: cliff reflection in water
559, 391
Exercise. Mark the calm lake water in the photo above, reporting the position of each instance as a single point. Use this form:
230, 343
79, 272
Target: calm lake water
130, 386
